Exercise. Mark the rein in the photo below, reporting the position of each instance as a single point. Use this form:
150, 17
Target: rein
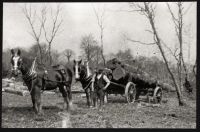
87, 79
88, 83
54, 81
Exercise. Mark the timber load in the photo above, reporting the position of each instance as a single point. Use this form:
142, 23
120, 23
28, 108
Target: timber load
140, 78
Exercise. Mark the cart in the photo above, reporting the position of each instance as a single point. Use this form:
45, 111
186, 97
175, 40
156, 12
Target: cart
132, 91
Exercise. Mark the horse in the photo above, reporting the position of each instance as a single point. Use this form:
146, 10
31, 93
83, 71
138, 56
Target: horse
84, 75
40, 80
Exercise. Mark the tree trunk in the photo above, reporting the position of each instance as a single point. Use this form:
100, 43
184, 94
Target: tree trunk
41, 54
104, 61
50, 58
180, 98
97, 58
194, 68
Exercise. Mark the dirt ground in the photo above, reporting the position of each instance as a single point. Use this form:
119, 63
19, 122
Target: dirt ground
17, 113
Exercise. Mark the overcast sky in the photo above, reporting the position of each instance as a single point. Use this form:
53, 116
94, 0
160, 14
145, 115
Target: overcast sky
80, 20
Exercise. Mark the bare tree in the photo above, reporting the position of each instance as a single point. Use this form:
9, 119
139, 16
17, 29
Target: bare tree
96, 54
56, 23
33, 51
148, 10
178, 22
68, 53
88, 44
55, 55
100, 16
30, 15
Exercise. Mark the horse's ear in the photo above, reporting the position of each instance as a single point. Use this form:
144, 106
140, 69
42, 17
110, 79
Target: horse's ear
19, 52
12, 51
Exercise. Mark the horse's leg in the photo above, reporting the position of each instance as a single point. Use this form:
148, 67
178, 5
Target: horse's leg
35, 108
68, 88
87, 97
38, 99
65, 97
94, 97
101, 96
33, 96
91, 97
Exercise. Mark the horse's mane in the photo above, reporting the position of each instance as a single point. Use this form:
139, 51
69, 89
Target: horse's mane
27, 62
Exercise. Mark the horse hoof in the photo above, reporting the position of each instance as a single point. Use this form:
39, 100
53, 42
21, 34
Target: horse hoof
39, 117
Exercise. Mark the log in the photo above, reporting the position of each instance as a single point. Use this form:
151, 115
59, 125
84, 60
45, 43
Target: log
25, 92
139, 77
7, 80
16, 91
167, 87
118, 73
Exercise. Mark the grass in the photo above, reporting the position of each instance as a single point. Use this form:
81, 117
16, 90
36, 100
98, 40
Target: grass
17, 113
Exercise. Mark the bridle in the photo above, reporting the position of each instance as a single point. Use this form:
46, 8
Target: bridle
16, 68
84, 77
85, 74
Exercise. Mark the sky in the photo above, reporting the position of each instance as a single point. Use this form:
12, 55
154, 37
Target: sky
79, 20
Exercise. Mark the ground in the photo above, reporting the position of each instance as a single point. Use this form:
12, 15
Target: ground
17, 113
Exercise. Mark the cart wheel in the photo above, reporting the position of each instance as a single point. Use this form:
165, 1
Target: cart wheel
157, 95
130, 92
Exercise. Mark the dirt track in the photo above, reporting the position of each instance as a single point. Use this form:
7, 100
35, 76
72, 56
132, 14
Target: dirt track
17, 113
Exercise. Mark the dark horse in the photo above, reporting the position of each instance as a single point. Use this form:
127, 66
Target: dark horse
39, 80
84, 75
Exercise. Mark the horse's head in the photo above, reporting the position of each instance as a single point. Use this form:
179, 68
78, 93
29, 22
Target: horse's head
16, 62
81, 70
77, 68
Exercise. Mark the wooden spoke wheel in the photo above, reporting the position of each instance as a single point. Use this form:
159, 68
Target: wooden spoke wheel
130, 92
157, 95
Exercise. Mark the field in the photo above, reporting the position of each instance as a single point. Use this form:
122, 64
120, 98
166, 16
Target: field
17, 113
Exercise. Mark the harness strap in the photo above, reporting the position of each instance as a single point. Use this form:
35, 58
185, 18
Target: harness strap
54, 81
87, 85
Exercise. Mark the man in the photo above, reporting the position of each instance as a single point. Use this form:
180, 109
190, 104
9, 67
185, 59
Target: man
100, 82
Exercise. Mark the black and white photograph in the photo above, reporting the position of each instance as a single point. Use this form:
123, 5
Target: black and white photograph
99, 65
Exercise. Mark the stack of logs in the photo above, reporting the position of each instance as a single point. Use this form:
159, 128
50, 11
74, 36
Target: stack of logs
140, 78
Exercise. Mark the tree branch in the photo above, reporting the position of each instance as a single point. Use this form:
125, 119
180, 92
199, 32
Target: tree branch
97, 16
141, 42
